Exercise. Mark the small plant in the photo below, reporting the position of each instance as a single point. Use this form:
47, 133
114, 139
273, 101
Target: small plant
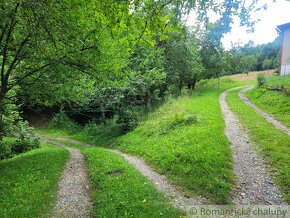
261, 80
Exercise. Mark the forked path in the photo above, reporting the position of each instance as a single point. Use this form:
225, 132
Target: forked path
179, 200
254, 185
73, 198
270, 119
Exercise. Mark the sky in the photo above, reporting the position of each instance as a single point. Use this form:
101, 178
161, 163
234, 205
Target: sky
264, 31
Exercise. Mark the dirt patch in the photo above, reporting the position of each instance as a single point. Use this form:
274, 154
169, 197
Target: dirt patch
115, 173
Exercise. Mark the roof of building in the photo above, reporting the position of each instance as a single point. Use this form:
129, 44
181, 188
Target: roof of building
283, 27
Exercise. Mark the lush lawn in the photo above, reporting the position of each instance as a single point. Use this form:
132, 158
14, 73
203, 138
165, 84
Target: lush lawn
28, 182
273, 144
124, 194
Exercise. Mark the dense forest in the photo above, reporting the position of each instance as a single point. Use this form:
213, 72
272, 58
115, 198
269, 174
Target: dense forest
101, 60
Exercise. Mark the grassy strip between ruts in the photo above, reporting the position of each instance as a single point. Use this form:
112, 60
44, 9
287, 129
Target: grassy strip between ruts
28, 182
119, 190
272, 143
272, 102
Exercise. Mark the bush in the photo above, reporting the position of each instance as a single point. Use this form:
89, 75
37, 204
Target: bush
27, 140
5, 150
261, 80
128, 118
62, 121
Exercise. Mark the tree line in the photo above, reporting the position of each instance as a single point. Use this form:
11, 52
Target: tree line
103, 59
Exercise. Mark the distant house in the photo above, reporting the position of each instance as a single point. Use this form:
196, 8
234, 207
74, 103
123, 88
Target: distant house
284, 29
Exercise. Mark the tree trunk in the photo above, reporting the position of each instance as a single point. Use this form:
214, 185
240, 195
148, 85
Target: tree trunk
149, 100
103, 114
1, 119
193, 83
180, 86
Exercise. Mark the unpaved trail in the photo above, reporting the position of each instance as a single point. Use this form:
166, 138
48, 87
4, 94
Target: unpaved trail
269, 118
179, 200
254, 184
73, 198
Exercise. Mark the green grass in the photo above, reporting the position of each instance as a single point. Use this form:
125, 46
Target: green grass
99, 135
28, 182
273, 102
273, 144
126, 195
185, 140
278, 81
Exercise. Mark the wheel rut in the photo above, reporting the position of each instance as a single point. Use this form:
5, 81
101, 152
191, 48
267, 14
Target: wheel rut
254, 185
73, 199
269, 118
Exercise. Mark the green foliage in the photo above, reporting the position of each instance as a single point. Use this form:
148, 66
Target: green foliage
62, 121
272, 143
5, 148
261, 80
28, 184
27, 140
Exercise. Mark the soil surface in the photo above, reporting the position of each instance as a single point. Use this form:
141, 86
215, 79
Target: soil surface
269, 118
73, 198
254, 185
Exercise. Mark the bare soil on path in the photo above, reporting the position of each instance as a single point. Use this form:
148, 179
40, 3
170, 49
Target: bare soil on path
254, 184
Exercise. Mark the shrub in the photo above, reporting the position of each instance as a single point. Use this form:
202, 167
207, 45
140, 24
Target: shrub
128, 118
62, 121
261, 79
27, 140
5, 150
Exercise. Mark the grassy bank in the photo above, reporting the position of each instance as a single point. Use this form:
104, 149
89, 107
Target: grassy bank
119, 190
273, 144
276, 103
28, 182
185, 140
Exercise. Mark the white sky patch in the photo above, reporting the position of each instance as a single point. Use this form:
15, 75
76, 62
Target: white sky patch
265, 31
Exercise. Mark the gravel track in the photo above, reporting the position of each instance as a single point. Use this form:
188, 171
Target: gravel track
73, 198
254, 184
269, 118
179, 200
